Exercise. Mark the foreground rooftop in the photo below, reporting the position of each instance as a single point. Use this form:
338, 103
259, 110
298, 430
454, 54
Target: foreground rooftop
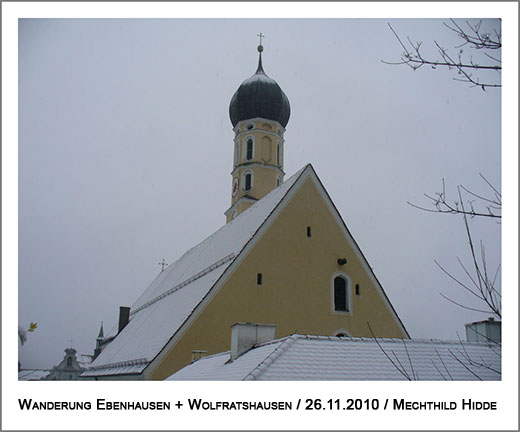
308, 358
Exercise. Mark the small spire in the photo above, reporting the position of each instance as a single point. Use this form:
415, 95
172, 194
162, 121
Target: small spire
260, 48
101, 335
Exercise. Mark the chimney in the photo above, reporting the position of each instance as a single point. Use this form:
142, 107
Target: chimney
124, 317
484, 331
246, 335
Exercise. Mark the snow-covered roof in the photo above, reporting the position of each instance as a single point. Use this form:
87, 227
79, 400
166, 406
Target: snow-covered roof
173, 296
85, 360
307, 358
32, 374
129, 367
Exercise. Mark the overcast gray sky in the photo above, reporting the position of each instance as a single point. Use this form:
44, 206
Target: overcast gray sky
125, 153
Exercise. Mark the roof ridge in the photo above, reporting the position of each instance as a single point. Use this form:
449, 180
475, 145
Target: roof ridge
386, 339
186, 282
134, 362
271, 358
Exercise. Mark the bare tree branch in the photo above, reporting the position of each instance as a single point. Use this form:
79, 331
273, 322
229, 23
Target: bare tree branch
480, 284
458, 281
440, 373
491, 186
415, 377
466, 367
486, 290
445, 368
441, 204
472, 362
401, 370
460, 355
479, 40
472, 37
461, 305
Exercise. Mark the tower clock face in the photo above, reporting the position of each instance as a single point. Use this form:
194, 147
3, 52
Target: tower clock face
235, 187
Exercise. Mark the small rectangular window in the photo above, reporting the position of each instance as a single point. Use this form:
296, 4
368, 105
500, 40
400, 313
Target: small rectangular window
259, 279
308, 231
357, 289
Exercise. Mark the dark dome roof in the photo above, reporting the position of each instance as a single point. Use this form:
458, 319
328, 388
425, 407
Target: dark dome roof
259, 96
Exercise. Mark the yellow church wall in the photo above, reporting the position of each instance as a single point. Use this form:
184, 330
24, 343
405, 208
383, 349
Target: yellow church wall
296, 292
266, 149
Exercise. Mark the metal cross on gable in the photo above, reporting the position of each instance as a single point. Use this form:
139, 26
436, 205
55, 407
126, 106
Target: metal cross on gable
163, 264
260, 35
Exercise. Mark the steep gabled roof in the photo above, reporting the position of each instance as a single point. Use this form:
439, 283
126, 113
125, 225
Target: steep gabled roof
307, 358
160, 312
174, 298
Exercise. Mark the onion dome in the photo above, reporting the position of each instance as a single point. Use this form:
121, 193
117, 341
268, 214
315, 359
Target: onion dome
259, 96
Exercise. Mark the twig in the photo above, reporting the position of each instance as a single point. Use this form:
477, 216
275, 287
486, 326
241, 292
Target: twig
474, 38
403, 371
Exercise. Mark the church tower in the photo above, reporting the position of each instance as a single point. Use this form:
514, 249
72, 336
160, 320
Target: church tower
259, 111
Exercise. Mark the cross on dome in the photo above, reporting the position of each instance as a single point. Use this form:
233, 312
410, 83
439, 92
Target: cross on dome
163, 264
260, 47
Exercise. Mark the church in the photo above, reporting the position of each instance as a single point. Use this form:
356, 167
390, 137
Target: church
285, 258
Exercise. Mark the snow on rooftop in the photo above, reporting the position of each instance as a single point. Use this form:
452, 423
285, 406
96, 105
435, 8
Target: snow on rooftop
171, 298
32, 374
318, 358
122, 368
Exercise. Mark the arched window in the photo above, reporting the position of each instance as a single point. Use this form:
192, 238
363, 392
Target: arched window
69, 362
249, 148
341, 333
247, 180
236, 153
279, 153
341, 303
